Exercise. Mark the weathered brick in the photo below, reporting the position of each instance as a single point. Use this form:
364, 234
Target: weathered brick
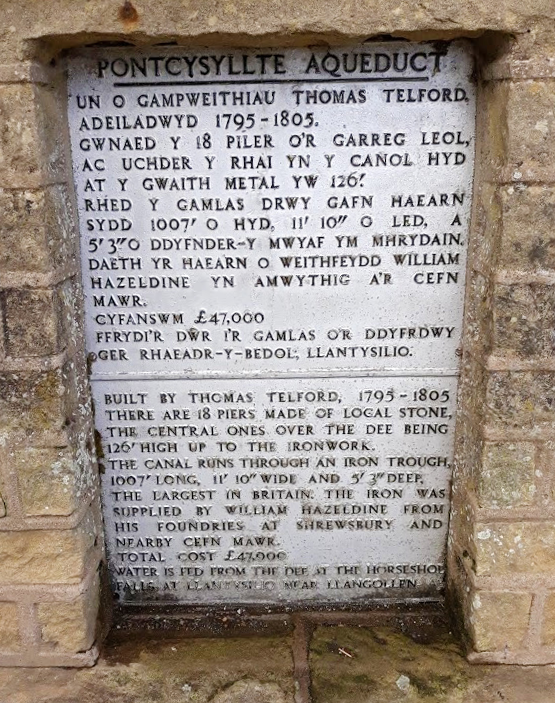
48, 480
548, 620
23, 241
46, 556
31, 141
71, 315
491, 124
76, 390
3, 499
499, 619
487, 225
9, 627
51, 115
36, 229
528, 237
33, 322
507, 476
61, 224
468, 440
514, 548
530, 125
32, 403
70, 627
478, 317
521, 399
524, 319
19, 137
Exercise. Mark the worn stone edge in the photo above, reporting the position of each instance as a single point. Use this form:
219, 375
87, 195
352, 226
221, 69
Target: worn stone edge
36, 279
500, 433
520, 69
42, 659
34, 363
52, 592
539, 656
27, 72
513, 363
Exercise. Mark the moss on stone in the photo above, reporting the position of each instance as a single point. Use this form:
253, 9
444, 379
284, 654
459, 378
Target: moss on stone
379, 665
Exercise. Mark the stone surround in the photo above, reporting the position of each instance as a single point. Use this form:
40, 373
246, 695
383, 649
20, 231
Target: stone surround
502, 543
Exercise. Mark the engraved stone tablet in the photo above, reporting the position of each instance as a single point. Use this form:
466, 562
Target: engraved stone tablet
273, 251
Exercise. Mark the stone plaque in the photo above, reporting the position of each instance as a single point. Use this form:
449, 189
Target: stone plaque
273, 251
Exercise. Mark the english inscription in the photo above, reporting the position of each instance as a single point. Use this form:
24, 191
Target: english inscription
273, 249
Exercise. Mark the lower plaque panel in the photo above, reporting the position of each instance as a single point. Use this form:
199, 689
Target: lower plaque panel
323, 490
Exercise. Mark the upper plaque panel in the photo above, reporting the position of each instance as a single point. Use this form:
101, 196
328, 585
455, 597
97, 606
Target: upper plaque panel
271, 211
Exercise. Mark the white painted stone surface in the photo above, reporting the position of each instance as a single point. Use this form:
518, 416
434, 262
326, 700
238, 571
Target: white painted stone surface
274, 222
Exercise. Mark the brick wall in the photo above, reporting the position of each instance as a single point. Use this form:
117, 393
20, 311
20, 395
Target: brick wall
50, 534
502, 558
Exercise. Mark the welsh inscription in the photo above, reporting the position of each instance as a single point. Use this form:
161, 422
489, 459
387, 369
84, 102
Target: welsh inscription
273, 250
